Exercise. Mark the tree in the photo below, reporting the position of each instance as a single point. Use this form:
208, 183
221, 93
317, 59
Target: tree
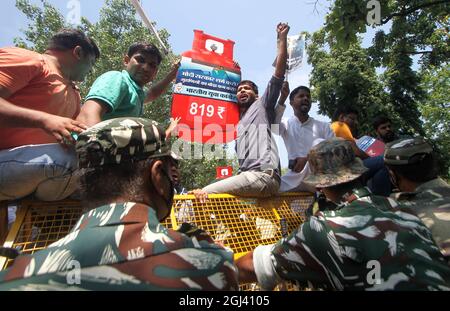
409, 32
418, 28
117, 28
43, 24
435, 109
345, 77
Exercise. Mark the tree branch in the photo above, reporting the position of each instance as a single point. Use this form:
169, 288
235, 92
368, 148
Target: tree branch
315, 10
419, 52
411, 10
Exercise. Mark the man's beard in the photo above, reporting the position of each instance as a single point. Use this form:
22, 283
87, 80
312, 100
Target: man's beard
305, 109
388, 137
246, 104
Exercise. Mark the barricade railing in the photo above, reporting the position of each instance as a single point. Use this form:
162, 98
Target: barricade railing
238, 223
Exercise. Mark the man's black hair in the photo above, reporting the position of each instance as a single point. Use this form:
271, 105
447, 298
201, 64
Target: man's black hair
145, 48
298, 89
100, 185
251, 84
380, 119
67, 39
345, 110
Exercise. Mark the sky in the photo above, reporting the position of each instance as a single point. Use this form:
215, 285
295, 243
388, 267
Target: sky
250, 23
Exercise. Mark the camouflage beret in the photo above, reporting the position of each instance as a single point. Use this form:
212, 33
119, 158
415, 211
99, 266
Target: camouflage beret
121, 140
333, 162
400, 151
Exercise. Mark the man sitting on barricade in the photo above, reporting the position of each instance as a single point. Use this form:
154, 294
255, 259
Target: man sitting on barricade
39, 102
259, 163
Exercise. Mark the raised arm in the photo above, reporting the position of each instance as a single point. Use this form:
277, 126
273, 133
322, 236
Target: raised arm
159, 88
280, 66
270, 96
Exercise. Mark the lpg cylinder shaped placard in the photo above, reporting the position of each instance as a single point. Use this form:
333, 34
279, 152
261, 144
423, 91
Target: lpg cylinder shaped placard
205, 91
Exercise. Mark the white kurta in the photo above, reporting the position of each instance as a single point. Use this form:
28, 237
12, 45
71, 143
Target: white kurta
299, 138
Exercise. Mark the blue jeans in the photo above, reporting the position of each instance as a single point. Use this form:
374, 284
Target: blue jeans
46, 170
377, 176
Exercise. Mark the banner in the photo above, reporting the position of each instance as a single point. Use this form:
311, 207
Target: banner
224, 172
371, 146
296, 51
204, 96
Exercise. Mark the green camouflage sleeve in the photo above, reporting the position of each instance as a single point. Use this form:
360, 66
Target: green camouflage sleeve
307, 253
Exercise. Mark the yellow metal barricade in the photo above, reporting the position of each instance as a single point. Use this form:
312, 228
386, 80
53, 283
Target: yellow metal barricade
238, 223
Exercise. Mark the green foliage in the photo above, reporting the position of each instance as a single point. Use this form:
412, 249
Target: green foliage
435, 109
199, 172
346, 77
402, 81
43, 23
117, 28
346, 20
381, 78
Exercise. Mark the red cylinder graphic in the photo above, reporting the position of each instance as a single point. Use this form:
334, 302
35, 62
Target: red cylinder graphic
205, 91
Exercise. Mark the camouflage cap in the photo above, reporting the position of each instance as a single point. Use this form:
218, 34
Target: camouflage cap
401, 151
121, 140
333, 162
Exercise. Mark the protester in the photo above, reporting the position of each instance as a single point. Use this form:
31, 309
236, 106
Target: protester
39, 102
345, 125
259, 165
300, 133
118, 94
383, 128
377, 177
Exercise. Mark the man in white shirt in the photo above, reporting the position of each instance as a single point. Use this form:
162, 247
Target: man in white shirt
300, 133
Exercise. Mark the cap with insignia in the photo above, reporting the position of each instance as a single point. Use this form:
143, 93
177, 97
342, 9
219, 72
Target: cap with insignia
121, 140
404, 151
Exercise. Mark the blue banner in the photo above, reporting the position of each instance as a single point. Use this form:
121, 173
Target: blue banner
195, 79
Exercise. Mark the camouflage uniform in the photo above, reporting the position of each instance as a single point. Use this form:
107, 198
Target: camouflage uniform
431, 200
366, 243
123, 246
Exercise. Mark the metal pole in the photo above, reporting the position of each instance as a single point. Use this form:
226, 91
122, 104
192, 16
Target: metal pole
148, 23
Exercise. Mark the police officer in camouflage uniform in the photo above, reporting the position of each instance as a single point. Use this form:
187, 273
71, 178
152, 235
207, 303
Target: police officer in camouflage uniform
119, 243
365, 243
413, 170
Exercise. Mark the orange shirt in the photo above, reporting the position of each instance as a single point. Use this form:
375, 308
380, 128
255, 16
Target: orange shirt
35, 83
342, 130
